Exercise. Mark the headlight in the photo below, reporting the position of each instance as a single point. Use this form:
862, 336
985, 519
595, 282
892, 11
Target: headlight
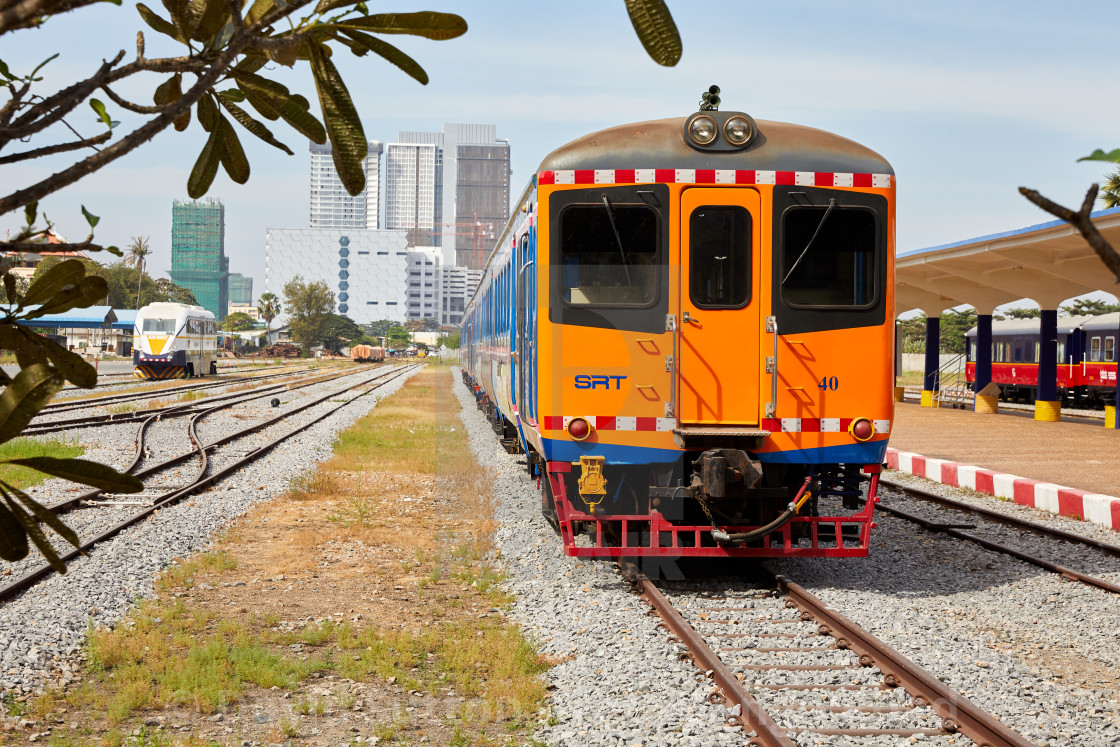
702, 130
738, 131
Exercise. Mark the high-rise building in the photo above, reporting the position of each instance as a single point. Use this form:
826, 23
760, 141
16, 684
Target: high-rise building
198, 257
410, 191
468, 173
240, 288
332, 207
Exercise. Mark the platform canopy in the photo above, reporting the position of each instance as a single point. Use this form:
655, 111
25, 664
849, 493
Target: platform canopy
1047, 263
126, 319
94, 317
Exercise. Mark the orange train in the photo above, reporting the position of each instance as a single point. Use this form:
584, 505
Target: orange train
687, 326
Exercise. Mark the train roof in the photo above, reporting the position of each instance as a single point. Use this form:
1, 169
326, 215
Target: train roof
779, 146
1066, 324
1103, 322
169, 307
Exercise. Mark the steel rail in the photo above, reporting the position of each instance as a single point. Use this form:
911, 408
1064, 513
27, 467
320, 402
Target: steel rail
70, 403
30, 578
1000, 517
767, 731
957, 712
959, 533
71, 504
94, 421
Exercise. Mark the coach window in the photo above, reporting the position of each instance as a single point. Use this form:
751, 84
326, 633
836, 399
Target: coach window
719, 249
1095, 349
158, 325
1110, 349
1037, 347
829, 257
608, 255
1018, 351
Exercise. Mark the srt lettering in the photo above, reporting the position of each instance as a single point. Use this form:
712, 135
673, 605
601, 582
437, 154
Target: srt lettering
595, 382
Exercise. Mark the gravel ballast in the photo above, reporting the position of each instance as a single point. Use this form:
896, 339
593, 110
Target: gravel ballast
43, 629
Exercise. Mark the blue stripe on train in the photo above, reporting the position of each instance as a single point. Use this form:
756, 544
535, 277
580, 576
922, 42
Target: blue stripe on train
557, 450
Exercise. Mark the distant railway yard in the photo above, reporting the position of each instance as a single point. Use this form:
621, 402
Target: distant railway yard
357, 560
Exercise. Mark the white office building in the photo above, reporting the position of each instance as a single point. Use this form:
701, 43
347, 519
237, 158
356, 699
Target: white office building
332, 207
456, 287
410, 191
367, 270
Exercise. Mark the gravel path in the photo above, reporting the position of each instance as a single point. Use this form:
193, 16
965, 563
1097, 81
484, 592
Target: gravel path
1040, 653
42, 630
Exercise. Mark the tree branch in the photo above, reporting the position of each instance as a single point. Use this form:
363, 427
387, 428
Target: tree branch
137, 137
50, 110
13, 104
51, 149
31, 13
1081, 221
125, 104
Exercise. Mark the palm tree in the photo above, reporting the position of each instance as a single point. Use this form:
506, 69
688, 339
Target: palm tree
268, 306
138, 251
1110, 190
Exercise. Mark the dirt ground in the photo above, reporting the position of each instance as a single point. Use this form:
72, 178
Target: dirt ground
1076, 454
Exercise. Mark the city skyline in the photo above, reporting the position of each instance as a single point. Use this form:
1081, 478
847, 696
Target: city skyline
967, 102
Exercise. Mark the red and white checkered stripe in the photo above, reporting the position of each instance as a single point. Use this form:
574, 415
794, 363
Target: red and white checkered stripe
818, 425
714, 176
612, 423
784, 425
1046, 496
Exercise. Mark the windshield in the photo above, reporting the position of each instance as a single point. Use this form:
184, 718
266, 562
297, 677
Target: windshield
159, 325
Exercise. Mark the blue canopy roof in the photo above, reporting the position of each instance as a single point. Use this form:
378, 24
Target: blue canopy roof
126, 319
91, 318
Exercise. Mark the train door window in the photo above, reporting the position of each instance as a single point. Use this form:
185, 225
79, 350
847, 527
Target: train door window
972, 350
1061, 350
1018, 351
829, 257
608, 255
1110, 349
1037, 347
720, 257
1095, 349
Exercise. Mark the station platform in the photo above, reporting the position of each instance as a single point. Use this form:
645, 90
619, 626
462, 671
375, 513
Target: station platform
1065, 467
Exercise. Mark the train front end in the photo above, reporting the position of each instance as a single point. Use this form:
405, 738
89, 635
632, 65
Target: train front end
715, 331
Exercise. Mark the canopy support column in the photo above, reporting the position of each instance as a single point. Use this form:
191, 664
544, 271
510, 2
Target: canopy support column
1047, 406
933, 359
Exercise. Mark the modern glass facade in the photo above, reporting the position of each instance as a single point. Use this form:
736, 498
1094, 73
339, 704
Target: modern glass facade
240, 288
198, 258
332, 207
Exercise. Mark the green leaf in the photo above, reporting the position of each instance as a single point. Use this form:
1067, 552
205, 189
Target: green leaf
54, 280
42, 64
177, 9
83, 471
273, 101
10, 288
169, 91
32, 388
1100, 155
90, 217
88, 292
5, 72
207, 113
389, 52
232, 154
231, 94
28, 351
258, 10
99, 107
76, 370
208, 17
13, 540
158, 23
206, 167
31, 527
31, 212
255, 127
656, 30
45, 515
344, 126
428, 24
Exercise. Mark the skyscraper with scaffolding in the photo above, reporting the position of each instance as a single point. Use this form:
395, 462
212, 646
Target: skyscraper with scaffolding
198, 257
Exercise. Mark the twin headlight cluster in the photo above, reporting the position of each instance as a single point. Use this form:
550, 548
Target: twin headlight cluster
703, 130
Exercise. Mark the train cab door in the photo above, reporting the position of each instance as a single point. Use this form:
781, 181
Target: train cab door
719, 322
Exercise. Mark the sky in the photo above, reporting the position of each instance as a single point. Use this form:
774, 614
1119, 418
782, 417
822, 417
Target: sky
968, 101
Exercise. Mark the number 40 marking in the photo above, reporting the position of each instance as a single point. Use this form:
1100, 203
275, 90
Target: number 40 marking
829, 384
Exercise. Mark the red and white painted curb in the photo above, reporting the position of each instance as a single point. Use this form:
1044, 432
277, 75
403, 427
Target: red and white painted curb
1045, 496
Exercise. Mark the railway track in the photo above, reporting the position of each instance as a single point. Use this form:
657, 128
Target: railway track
988, 533
177, 409
791, 670
208, 474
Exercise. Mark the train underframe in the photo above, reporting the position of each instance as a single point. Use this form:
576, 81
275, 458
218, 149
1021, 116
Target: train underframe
715, 501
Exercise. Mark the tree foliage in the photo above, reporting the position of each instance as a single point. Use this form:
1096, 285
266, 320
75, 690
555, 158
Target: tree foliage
238, 321
310, 307
268, 306
1088, 307
120, 279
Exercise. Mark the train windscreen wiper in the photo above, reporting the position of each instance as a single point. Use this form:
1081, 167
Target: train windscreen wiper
831, 204
618, 239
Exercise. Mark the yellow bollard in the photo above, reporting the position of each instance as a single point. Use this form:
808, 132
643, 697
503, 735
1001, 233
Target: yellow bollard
1110, 416
928, 400
1049, 412
987, 404
900, 394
